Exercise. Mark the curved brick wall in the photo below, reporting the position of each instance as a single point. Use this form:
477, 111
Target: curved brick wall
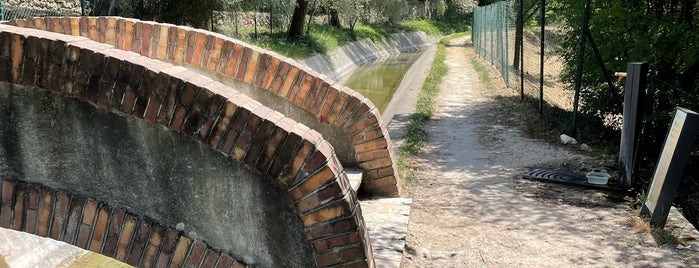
329, 102
101, 228
182, 101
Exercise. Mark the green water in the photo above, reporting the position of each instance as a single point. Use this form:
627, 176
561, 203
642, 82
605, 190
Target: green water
378, 80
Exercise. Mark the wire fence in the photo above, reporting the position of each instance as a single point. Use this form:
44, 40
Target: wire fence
515, 37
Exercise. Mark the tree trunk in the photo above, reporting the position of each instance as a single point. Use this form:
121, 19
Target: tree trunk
297, 19
334, 18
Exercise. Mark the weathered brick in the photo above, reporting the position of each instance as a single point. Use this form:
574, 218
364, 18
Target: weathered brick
169, 102
352, 103
17, 56
334, 210
259, 142
337, 106
210, 259
370, 122
304, 90
92, 28
214, 59
99, 229
270, 148
208, 47
311, 97
266, 70
110, 34
75, 26
225, 261
376, 163
284, 154
246, 135
280, 77
139, 243
126, 237
60, 215
197, 49
317, 160
196, 113
168, 247
151, 250
320, 98
196, 254
371, 145
234, 61
391, 190
289, 81
333, 95
251, 67
299, 158
181, 45
345, 255
388, 181
329, 243
181, 250
45, 209
74, 219
219, 130
146, 37
312, 183
238, 122
307, 203
367, 135
243, 63
225, 56
126, 36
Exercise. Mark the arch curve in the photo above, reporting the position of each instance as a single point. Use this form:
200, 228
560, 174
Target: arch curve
327, 101
182, 101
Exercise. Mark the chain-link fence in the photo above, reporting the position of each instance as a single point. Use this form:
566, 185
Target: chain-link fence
515, 37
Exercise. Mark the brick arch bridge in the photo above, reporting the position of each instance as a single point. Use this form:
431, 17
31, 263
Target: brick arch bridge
119, 65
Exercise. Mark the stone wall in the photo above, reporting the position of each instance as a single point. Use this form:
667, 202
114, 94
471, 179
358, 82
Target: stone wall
61, 6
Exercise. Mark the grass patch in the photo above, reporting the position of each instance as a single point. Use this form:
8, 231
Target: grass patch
416, 135
324, 38
483, 74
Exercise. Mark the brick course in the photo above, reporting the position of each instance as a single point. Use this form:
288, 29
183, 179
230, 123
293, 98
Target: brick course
183, 101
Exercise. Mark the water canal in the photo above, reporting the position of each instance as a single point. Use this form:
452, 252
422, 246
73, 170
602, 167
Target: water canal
378, 80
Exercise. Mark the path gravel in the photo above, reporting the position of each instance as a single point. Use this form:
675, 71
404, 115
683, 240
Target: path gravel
471, 209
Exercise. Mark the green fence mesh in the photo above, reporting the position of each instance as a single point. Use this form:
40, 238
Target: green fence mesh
508, 34
11, 13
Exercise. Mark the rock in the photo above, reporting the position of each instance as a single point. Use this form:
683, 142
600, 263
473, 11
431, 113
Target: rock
179, 226
565, 139
585, 147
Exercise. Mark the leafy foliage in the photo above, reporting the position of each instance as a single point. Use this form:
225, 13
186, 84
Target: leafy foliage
665, 34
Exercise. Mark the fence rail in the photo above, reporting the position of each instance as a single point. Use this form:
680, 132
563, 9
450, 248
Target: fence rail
515, 37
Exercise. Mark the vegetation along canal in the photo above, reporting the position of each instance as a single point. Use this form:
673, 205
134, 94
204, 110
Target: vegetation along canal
378, 80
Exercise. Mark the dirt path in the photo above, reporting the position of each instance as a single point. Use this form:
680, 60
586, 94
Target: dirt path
470, 209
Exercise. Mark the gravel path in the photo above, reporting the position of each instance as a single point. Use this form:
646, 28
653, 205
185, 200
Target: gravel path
471, 209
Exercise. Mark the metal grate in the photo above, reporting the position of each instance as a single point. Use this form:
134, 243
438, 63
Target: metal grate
566, 178
550, 175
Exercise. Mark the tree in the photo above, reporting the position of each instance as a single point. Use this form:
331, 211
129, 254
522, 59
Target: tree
297, 19
663, 33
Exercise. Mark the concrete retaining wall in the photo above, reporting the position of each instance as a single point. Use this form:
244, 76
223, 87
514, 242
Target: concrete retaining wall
344, 59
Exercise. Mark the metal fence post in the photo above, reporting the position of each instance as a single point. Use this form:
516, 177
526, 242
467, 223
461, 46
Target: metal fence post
579, 71
520, 28
541, 60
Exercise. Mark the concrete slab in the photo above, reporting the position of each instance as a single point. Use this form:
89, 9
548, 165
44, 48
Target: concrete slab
387, 222
355, 177
20, 249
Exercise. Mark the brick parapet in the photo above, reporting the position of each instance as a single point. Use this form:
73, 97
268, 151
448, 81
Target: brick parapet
328, 101
183, 101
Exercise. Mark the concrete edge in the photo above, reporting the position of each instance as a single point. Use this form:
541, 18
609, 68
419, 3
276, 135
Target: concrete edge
405, 98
